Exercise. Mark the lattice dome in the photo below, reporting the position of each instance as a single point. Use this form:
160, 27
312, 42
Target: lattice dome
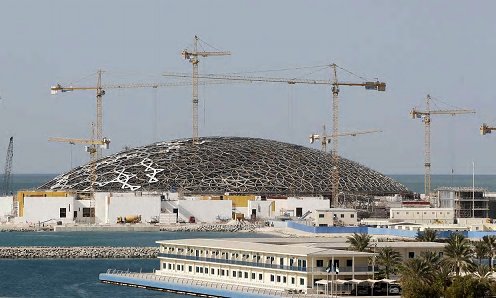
217, 165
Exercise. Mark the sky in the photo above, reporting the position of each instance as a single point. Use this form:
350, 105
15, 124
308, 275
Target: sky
442, 48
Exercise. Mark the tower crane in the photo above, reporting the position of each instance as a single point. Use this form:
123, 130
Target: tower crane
92, 147
8, 167
327, 138
100, 91
426, 118
193, 58
485, 129
335, 83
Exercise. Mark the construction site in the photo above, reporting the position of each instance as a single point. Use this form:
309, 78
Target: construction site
209, 179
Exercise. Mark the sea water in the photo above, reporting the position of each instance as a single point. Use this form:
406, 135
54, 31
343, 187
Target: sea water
79, 278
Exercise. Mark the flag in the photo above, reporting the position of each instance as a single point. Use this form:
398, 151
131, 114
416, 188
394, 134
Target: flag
337, 269
328, 269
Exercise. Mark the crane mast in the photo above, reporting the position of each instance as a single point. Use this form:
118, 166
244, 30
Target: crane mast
92, 149
8, 167
379, 86
426, 118
100, 91
193, 58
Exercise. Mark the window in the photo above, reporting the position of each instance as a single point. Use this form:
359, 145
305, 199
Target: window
320, 263
246, 274
260, 276
284, 279
272, 277
170, 266
302, 281
418, 212
197, 269
321, 215
206, 270
278, 278
441, 253
222, 272
190, 268
322, 225
281, 261
342, 215
292, 280
164, 265
253, 275
411, 254
397, 213
88, 212
212, 271
440, 213
234, 273
352, 215
349, 263
62, 212
447, 213
407, 213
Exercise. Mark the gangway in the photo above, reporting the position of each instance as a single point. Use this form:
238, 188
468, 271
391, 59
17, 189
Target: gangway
306, 214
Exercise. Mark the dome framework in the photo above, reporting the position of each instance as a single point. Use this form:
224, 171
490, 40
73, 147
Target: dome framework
219, 165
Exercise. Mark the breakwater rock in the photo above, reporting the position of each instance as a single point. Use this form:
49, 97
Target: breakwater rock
238, 227
80, 252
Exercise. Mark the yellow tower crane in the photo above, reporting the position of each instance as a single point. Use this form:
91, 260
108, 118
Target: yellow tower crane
100, 91
92, 150
426, 118
325, 139
485, 129
379, 86
193, 58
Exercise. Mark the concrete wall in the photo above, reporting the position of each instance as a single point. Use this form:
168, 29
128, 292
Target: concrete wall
307, 204
5, 207
111, 206
203, 210
262, 208
39, 209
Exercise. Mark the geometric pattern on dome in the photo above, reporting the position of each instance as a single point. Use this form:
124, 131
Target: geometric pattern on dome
216, 165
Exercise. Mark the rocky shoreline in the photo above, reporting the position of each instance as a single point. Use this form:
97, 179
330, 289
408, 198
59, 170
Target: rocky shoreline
240, 226
81, 252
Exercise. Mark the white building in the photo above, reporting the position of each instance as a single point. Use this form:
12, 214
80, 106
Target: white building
260, 265
423, 215
335, 217
6, 208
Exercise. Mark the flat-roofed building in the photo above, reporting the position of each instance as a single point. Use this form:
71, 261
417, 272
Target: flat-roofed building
423, 215
335, 217
253, 263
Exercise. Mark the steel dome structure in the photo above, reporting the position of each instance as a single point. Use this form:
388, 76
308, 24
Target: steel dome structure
219, 165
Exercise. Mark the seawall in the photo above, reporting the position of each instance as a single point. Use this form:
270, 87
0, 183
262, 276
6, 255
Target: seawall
81, 252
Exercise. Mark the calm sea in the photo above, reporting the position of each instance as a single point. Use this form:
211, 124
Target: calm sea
79, 278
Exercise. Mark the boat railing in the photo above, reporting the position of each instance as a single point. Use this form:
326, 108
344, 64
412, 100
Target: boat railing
219, 283
233, 262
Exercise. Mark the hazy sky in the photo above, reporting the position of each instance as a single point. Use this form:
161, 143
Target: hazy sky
442, 48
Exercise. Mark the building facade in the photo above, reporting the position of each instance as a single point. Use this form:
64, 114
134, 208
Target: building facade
335, 217
260, 265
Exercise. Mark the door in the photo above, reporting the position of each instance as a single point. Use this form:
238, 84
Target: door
299, 212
